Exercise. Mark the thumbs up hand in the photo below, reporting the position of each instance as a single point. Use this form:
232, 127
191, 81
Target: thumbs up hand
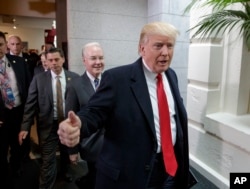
69, 130
74, 119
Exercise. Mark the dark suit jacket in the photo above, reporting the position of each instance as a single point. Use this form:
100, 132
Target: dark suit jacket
78, 94
22, 77
31, 61
38, 69
40, 103
130, 145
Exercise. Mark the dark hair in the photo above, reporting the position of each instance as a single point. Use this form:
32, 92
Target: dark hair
55, 50
2, 34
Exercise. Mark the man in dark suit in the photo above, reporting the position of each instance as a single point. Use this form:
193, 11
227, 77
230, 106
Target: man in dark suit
16, 47
135, 154
42, 65
12, 68
42, 102
77, 95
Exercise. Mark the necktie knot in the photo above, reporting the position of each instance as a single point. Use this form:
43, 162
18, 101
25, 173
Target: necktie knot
159, 76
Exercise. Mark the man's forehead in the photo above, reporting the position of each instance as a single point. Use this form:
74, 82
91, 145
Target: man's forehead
2, 40
54, 54
12, 39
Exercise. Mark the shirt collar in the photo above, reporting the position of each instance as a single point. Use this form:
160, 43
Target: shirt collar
4, 58
92, 77
62, 74
21, 54
148, 72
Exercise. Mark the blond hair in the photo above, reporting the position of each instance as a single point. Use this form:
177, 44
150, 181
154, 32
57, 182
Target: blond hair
158, 28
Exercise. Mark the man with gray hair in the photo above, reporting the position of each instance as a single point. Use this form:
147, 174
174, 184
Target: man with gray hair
15, 46
77, 96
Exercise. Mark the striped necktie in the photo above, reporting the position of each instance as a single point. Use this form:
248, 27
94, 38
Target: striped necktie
96, 82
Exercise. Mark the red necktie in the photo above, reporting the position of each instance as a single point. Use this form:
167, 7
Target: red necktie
166, 137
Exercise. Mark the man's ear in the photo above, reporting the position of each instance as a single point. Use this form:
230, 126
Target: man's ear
141, 49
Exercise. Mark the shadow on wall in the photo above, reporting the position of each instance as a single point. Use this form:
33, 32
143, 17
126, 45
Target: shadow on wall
42, 6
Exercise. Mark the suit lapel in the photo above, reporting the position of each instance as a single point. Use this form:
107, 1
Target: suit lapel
172, 79
140, 89
87, 84
14, 66
67, 76
48, 85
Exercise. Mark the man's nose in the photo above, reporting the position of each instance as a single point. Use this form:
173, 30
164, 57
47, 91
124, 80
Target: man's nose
165, 50
98, 60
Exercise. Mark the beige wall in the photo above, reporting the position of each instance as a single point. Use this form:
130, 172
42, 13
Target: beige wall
31, 19
114, 24
34, 37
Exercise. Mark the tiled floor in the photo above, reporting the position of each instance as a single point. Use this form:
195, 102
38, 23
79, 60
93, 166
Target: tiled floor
29, 179
30, 176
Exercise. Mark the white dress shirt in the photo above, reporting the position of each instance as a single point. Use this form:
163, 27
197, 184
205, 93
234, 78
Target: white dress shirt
152, 87
63, 84
92, 78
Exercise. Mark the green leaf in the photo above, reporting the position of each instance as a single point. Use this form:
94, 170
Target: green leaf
222, 18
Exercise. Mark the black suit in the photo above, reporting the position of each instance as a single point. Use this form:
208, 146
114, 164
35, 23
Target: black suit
40, 104
123, 102
39, 69
31, 61
77, 95
12, 119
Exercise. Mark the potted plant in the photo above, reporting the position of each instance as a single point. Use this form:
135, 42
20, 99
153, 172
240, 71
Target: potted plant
222, 18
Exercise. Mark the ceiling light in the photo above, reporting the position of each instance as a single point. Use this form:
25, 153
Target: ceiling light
14, 25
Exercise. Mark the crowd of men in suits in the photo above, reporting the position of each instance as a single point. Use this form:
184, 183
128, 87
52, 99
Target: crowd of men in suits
39, 106
15, 81
138, 106
19, 71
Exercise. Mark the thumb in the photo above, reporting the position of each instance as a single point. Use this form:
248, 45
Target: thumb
24, 136
72, 117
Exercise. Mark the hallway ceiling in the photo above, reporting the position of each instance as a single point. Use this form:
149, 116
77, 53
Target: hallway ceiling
26, 22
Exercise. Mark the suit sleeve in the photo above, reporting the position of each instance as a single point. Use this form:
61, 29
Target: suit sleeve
71, 103
30, 106
71, 99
